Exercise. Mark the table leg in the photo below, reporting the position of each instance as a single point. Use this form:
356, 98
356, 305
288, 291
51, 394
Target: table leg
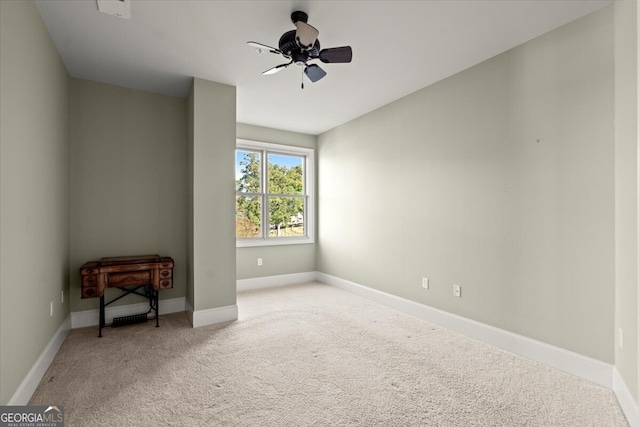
157, 297
102, 321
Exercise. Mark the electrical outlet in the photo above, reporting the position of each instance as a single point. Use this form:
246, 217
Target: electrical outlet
457, 291
51, 309
260, 261
425, 282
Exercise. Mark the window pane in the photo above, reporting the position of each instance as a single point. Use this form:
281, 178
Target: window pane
248, 214
248, 171
285, 175
286, 216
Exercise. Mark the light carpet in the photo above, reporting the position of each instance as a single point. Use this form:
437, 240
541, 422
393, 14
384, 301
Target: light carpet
310, 355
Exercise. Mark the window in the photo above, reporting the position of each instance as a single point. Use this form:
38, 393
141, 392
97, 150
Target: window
274, 194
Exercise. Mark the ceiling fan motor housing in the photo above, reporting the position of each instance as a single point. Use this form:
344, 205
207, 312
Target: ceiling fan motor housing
289, 47
299, 58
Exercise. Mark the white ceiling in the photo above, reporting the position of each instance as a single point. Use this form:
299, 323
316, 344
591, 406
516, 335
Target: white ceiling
398, 48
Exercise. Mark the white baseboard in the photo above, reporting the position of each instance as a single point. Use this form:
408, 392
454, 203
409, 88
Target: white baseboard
212, 316
576, 364
626, 400
189, 309
271, 281
81, 319
29, 384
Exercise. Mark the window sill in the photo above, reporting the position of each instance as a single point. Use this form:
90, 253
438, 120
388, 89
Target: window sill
249, 243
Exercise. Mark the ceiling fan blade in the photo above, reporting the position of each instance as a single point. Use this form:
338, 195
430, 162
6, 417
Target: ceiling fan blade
336, 54
276, 68
262, 47
306, 35
314, 72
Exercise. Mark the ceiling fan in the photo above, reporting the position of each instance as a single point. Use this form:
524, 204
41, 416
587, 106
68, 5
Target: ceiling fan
300, 46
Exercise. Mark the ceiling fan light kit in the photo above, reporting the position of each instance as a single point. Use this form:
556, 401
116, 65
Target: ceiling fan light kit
300, 46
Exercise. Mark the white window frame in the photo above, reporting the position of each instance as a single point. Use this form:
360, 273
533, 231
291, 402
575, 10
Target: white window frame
309, 191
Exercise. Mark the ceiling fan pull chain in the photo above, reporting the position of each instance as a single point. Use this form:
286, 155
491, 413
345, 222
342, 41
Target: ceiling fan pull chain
301, 79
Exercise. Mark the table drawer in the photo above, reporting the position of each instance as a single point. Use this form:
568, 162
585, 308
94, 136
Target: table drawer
166, 283
130, 278
89, 286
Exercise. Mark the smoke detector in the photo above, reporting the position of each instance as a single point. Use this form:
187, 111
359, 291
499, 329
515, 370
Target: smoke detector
119, 8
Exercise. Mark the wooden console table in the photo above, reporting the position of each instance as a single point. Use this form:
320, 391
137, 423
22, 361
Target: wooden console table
149, 272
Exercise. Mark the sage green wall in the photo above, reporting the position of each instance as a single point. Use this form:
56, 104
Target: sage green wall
284, 259
128, 171
626, 192
211, 188
34, 194
499, 179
